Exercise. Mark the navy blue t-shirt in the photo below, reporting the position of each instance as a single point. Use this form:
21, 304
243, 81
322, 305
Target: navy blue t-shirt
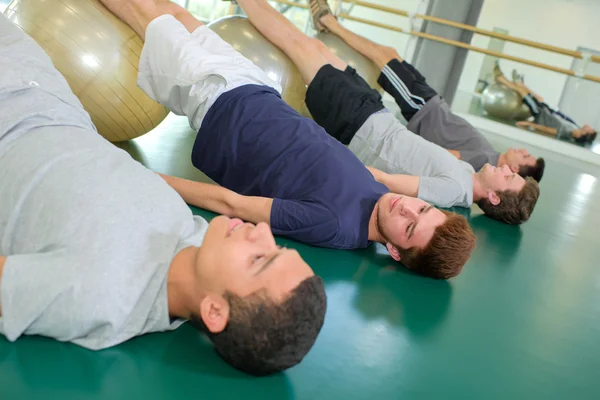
254, 143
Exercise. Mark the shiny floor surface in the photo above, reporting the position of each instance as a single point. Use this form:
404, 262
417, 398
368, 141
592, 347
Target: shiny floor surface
521, 322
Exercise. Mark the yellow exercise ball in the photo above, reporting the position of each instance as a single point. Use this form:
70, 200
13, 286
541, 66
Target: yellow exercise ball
366, 68
246, 39
99, 56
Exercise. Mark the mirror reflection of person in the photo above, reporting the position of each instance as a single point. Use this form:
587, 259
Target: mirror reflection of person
546, 120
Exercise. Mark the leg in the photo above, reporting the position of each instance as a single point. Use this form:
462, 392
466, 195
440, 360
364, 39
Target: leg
338, 99
398, 78
139, 13
380, 55
519, 89
185, 65
135, 13
529, 99
27, 68
518, 80
308, 54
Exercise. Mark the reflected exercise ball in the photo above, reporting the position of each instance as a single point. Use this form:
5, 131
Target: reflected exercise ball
523, 113
501, 102
367, 69
98, 55
247, 40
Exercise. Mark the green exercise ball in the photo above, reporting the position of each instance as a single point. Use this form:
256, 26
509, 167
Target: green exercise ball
246, 39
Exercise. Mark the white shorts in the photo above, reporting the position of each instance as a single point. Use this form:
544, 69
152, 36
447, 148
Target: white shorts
188, 72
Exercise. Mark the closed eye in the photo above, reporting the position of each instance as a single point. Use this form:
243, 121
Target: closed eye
424, 210
269, 262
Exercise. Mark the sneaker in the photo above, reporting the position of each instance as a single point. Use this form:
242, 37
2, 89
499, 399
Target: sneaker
497, 71
518, 78
318, 9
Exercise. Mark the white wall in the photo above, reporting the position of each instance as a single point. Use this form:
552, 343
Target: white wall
562, 23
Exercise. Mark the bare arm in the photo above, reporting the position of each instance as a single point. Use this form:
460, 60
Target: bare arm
221, 200
407, 185
2, 261
455, 153
537, 127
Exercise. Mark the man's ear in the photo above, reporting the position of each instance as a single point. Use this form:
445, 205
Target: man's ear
515, 169
493, 198
393, 251
214, 311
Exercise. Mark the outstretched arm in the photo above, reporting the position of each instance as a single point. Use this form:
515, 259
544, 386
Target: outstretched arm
221, 200
2, 261
407, 185
538, 127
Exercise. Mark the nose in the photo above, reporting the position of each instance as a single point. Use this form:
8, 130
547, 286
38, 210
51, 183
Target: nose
408, 212
259, 232
506, 169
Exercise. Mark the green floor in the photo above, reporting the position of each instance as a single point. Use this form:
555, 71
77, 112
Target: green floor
521, 322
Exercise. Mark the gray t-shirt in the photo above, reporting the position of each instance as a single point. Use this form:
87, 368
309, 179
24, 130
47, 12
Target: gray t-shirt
384, 143
90, 234
562, 126
438, 124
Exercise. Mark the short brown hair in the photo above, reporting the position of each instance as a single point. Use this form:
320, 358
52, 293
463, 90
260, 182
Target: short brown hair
263, 337
535, 171
447, 251
515, 207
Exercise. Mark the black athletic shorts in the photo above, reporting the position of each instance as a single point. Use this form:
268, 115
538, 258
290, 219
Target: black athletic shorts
407, 86
341, 101
535, 106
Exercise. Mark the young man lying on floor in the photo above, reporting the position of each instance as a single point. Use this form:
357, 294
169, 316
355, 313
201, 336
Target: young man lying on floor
95, 249
350, 111
428, 115
274, 165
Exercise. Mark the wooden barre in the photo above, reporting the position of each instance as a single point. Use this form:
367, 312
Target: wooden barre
502, 36
441, 39
470, 47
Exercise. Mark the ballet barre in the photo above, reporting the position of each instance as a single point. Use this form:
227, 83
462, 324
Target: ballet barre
474, 29
457, 43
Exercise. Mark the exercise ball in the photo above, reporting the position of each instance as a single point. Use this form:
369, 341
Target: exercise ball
366, 68
247, 40
523, 113
501, 102
98, 55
